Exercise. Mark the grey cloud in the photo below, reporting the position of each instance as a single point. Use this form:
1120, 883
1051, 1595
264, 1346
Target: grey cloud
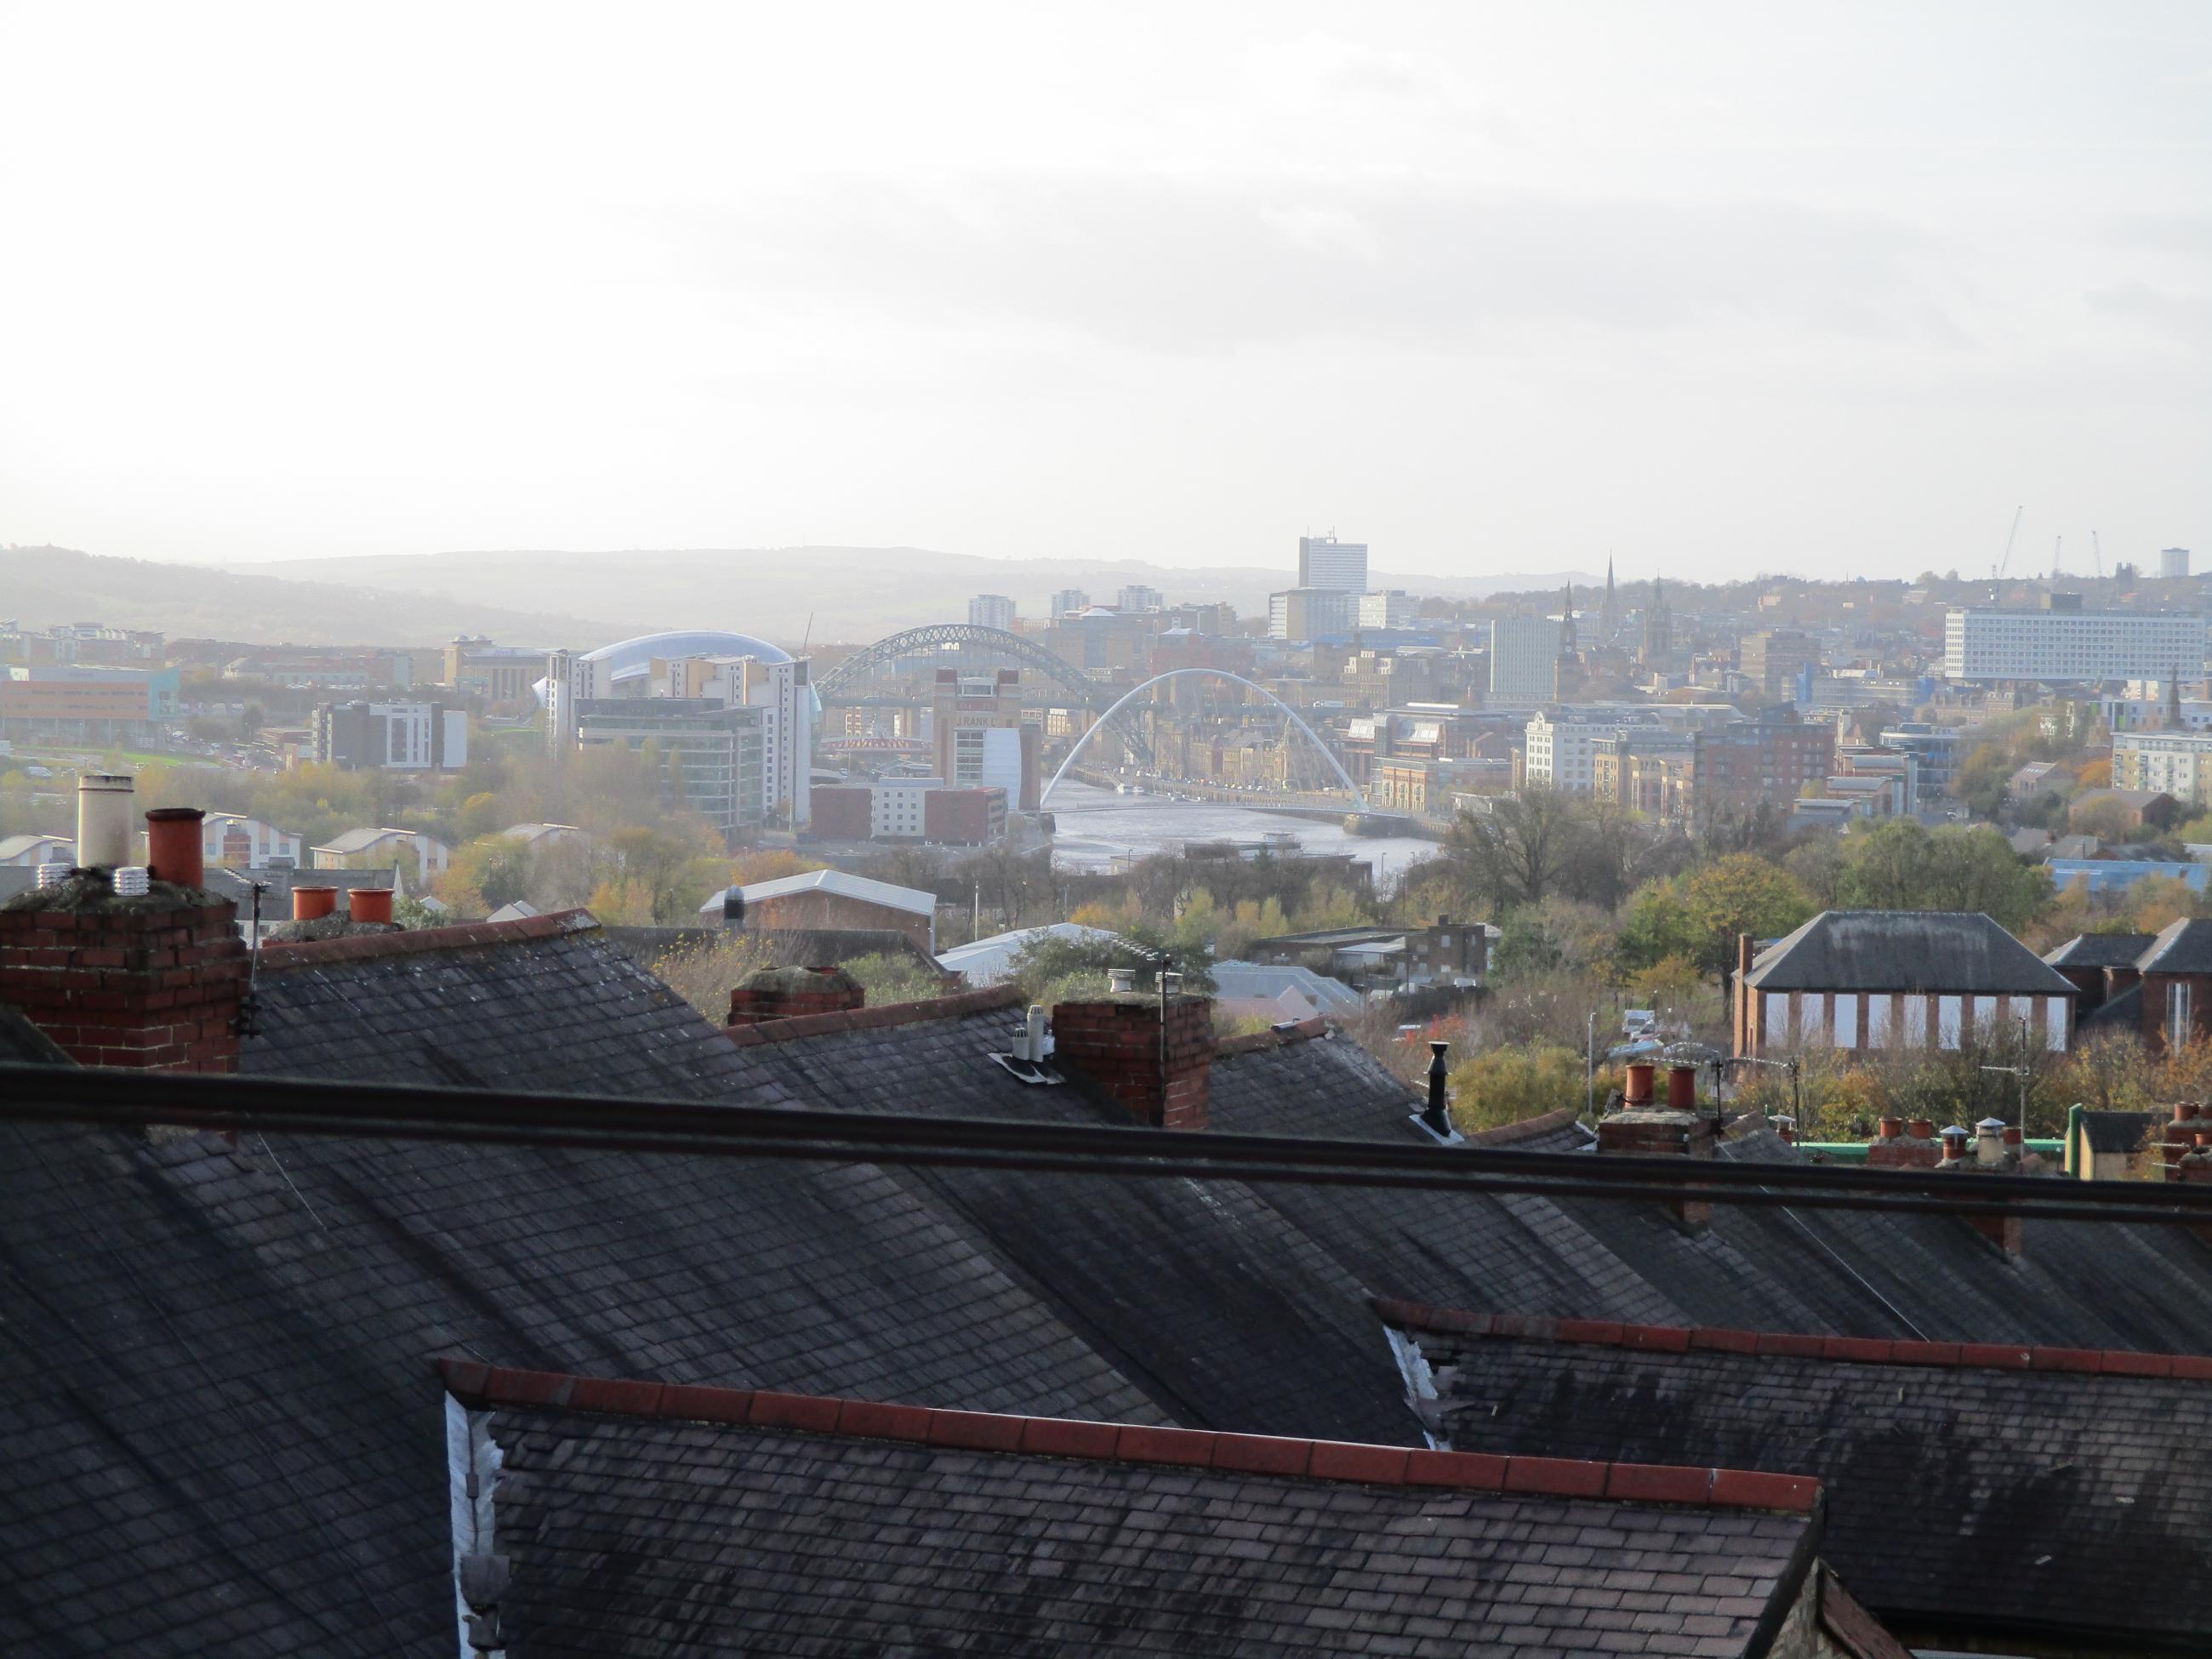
1201, 266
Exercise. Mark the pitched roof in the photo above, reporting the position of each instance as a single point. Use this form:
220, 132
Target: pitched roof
1957, 952
2120, 1131
2184, 947
2000, 1488
212, 1390
837, 882
639, 1523
2098, 950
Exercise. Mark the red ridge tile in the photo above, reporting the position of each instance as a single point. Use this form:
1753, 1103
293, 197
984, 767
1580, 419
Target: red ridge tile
1138, 1444
2115, 1363
2063, 1359
1788, 1345
976, 1431
1723, 1340
1657, 1483
1924, 1353
1375, 1466
1556, 1476
1755, 1489
1478, 1471
1589, 1330
873, 1420
699, 1405
1067, 1436
613, 1395
2192, 1367
1657, 1339
794, 1411
1864, 1350
1261, 1454
512, 1387
2002, 1356
465, 1378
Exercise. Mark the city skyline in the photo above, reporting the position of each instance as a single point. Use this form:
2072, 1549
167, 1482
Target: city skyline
1494, 292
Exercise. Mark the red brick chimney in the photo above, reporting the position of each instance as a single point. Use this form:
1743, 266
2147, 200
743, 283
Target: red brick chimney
1672, 1131
770, 994
157, 980
1116, 1041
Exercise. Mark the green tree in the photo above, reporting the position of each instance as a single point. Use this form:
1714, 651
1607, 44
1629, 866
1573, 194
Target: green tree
1904, 866
1697, 916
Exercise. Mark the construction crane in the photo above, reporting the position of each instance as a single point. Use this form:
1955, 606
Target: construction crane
1997, 570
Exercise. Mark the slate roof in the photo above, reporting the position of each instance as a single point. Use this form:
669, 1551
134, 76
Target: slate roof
2100, 950
658, 1535
1904, 950
2120, 1131
840, 884
2119, 1015
220, 1433
1993, 1490
2185, 947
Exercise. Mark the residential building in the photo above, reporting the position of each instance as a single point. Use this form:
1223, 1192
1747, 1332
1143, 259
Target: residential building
239, 842
991, 611
2177, 763
1737, 768
1068, 602
1311, 613
1137, 599
1016, 1359
1392, 610
370, 848
2173, 563
1524, 660
392, 737
980, 737
1877, 981
1647, 769
1327, 562
2071, 645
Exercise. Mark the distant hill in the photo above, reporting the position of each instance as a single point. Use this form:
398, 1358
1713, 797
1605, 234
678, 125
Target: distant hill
850, 593
40, 587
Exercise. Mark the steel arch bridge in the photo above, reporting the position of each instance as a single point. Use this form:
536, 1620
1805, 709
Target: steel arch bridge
846, 676
1135, 692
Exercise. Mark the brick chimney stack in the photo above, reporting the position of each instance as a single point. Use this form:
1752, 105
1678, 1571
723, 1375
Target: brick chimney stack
770, 994
1115, 1040
1678, 1131
156, 981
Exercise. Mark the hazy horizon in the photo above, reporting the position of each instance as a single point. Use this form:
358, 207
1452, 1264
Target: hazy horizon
1714, 290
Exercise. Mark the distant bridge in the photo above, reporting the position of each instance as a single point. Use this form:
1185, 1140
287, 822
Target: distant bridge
1289, 712
847, 683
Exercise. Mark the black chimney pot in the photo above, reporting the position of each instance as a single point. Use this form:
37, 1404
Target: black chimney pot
1436, 1117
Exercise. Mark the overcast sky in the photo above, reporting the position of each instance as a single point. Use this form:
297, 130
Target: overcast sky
1716, 288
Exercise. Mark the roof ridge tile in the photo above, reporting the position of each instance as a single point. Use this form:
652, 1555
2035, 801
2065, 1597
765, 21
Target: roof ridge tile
881, 1016
1796, 1345
281, 956
483, 1387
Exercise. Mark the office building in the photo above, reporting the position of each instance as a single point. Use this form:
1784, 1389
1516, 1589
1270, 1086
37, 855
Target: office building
1524, 660
2066, 643
392, 737
1395, 609
701, 666
991, 611
714, 753
500, 679
1775, 659
981, 739
71, 703
1311, 613
1325, 561
1935, 752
